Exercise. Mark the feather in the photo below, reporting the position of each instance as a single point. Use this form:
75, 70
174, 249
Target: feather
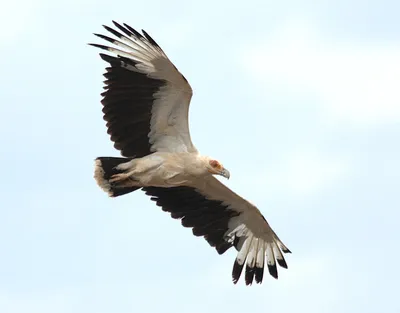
236, 271
259, 270
271, 261
242, 255
279, 256
240, 259
259, 274
133, 43
249, 275
251, 261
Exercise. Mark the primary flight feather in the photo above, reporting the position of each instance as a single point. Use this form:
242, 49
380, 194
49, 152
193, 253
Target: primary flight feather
146, 105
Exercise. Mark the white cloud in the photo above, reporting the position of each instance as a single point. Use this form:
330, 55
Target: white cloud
356, 82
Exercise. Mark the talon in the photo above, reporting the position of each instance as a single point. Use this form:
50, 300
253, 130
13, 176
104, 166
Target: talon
117, 177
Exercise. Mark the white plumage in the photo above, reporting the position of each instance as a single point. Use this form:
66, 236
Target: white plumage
146, 106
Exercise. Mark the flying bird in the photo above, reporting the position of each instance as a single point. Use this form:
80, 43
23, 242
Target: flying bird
146, 106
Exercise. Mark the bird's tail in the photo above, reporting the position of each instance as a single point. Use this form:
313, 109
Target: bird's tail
105, 167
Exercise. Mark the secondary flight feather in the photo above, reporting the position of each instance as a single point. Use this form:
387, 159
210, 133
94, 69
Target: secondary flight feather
146, 106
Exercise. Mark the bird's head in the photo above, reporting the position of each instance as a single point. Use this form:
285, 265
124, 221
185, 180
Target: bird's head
216, 168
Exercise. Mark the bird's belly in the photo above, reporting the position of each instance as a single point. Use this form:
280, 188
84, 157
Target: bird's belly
162, 170
165, 176
159, 174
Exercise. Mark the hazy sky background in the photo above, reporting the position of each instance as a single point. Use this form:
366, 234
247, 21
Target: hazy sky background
299, 99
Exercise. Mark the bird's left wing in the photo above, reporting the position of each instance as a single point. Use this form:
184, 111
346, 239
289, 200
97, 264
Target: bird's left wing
146, 102
225, 219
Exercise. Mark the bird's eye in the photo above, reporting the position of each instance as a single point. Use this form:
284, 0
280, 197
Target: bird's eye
214, 163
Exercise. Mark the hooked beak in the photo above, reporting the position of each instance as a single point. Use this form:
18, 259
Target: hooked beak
225, 173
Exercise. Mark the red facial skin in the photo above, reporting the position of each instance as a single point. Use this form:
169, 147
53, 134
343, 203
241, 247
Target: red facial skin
215, 164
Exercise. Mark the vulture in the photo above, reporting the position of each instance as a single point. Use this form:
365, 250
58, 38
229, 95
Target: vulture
146, 106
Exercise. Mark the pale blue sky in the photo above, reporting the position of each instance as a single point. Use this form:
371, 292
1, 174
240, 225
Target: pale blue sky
299, 99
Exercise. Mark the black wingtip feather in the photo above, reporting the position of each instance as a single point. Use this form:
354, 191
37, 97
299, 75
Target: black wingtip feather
148, 37
249, 276
286, 250
99, 46
259, 274
236, 271
123, 29
105, 38
282, 263
113, 31
106, 27
273, 270
134, 31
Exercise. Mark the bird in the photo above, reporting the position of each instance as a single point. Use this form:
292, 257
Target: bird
145, 106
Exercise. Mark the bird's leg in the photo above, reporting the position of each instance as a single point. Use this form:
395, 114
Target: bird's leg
128, 169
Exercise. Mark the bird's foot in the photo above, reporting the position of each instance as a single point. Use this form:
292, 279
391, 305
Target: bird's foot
121, 176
